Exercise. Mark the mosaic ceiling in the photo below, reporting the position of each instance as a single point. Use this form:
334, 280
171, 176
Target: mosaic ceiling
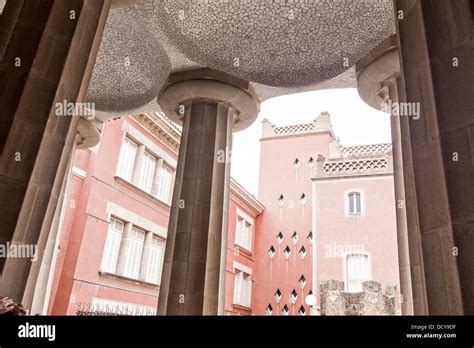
281, 46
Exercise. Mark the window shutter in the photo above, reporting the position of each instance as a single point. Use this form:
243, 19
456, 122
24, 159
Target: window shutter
165, 182
238, 287
148, 169
127, 159
133, 250
112, 246
155, 263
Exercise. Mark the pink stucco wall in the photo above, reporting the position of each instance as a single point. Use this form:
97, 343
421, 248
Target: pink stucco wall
373, 232
279, 176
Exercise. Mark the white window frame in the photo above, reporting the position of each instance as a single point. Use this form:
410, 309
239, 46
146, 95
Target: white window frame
347, 205
240, 273
150, 278
130, 269
345, 271
165, 188
245, 242
145, 178
126, 176
108, 240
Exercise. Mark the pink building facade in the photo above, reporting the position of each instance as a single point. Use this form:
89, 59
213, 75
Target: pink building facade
112, 240
113, 236
330, 214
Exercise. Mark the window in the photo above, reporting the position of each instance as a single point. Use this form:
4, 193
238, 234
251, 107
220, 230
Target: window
311, 162
277, 296
145, 173
269, 310
310, 237
145, 180
242, 288
354, 203
271, 252
127, 159
112, 246
279, 238
243, 234
302, 311
303, 199
295, 237
357, 271
287, 252
133, 252
155, 262
124, 252
293, 296
302, 252
281, 200
285, 310
296, 163
302, 281
165, 183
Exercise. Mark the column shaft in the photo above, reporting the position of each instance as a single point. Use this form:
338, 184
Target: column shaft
436, 45
406, 289
216, 248
194, 268
176, 205
56, 49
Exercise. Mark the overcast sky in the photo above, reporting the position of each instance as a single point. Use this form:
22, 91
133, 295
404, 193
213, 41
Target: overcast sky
354, 122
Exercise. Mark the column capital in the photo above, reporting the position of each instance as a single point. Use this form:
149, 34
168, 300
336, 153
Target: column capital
88, 133
375, 72
184, 87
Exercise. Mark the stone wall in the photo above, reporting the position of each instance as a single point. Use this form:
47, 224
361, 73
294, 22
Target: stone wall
371, 301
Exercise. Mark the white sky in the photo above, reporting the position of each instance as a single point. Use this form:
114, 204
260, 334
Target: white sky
354, 122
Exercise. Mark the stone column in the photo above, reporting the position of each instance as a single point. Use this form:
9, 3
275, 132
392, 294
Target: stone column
436, 45
36, 295
36, 286
380, 85
48, 49
225, 222
212, 104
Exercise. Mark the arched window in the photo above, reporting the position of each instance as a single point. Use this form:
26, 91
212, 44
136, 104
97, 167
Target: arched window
354, 203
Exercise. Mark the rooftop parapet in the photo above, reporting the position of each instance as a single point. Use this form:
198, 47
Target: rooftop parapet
350, 167
321, 124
